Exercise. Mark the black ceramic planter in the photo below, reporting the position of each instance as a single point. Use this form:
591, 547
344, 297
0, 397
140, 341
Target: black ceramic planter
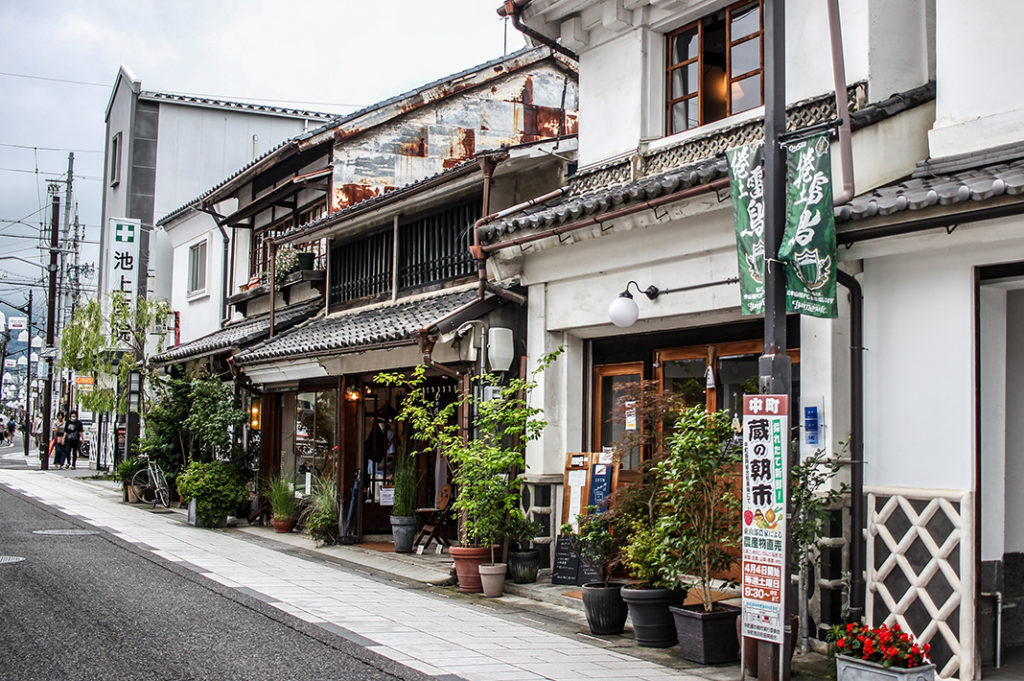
653, 625
707, 637
524, 565
606, 611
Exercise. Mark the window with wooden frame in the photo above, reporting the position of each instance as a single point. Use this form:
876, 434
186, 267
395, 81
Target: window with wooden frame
319, 247
612, 421
715, 67
260, 252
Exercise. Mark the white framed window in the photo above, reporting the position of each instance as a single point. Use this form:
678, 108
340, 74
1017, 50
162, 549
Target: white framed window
114, 172
197, 269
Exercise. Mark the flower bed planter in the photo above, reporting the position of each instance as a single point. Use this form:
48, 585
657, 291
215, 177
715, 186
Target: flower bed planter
853, 669
468, 560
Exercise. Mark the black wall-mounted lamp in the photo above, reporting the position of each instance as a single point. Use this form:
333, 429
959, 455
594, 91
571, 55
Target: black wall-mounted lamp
623, 311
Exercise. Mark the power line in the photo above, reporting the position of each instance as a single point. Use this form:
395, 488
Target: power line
54, 80
27, 146
40, 172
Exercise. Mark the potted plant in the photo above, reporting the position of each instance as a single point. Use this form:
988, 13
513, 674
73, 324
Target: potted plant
880, 653
700, 528
594, 544
485, 470
213, 489
126, 470
286, 261
403, 513
282, 504
321, 512
305, 260
523, 562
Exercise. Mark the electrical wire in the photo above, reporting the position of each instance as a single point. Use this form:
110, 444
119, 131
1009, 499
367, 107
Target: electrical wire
27, 146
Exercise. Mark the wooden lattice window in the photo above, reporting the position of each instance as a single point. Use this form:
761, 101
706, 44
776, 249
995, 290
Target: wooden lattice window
435, 247
715, 67
361, 267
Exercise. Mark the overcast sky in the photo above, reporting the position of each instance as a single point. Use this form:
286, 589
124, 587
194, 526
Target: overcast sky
58, 61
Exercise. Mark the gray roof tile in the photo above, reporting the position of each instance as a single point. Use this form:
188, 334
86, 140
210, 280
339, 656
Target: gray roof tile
360, 327
238, 334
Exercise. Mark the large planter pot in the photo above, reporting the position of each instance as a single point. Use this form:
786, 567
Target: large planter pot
653, 625
403, 529
707, 637
283, 525
524, 566
852, 669
467, 566
606, 611
492, 578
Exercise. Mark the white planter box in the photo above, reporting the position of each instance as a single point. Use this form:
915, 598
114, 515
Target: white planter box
852, 669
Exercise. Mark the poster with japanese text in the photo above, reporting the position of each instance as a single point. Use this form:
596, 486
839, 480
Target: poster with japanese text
765, 472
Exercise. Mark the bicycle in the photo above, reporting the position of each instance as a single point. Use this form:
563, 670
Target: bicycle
150, 485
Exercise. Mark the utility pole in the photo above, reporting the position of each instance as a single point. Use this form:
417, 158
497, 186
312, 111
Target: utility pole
26, 432
51, 317
774, 367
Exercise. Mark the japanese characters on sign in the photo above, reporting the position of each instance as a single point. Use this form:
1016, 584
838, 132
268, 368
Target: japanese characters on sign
746, 183
123, 264
765, 472
17, 323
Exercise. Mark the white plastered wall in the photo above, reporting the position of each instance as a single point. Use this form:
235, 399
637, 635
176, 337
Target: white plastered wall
993, 420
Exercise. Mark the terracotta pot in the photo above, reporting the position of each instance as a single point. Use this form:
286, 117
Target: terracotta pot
468, 560
492, 578
283, 525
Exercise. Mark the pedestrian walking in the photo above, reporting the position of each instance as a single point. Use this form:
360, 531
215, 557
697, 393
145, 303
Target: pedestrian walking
57, 440
72, 440
37, 430
12, 428
3, 428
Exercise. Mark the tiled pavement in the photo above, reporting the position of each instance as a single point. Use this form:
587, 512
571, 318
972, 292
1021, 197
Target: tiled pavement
441, 636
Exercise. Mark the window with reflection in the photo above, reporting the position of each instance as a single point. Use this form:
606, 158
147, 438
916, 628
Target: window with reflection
715, 67
316, 452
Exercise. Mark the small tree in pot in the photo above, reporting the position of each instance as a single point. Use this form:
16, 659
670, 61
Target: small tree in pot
699, 526
523, 561
403, 513
594, 544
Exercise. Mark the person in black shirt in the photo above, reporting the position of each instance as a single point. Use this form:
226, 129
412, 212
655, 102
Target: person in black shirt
72, 439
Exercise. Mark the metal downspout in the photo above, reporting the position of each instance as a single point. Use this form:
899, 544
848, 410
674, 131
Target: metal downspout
858, 520
513, 8
225, 274
835, 32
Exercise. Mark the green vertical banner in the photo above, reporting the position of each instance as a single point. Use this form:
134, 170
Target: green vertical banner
809, 242
746, 183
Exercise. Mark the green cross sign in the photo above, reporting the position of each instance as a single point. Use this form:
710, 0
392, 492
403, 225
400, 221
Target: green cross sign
124, 232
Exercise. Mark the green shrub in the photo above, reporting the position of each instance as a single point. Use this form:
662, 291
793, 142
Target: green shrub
281, 497
127, 469
321, 514
218, 488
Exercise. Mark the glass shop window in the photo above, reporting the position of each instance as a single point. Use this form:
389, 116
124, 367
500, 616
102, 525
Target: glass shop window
316, 451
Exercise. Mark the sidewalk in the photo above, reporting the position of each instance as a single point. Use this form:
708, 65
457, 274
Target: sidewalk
390, 604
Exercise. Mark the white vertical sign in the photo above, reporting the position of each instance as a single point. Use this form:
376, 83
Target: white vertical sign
765, 474
123, 262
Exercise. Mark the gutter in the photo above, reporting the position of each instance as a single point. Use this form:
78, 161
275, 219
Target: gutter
513, 10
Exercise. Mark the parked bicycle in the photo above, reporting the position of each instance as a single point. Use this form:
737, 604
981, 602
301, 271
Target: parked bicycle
150, 485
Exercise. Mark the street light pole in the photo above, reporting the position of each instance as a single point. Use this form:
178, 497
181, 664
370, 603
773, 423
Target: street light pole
26, 431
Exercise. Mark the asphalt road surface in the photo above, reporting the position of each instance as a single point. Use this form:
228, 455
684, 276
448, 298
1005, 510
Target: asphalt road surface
90, 606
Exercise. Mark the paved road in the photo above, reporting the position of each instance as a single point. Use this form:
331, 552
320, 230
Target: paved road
90, 606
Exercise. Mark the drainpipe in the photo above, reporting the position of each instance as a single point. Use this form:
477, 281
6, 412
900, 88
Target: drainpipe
858, 521
273, 287
426, 343
513, 8
835, 32
224, 274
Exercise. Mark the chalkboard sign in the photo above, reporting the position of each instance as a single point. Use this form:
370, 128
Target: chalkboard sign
566, 566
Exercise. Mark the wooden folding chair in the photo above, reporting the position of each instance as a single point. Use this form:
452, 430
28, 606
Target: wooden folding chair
434, 522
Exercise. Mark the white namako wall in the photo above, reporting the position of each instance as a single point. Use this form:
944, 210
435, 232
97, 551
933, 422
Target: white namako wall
622, 89
920, 353
977, 104
200, 313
